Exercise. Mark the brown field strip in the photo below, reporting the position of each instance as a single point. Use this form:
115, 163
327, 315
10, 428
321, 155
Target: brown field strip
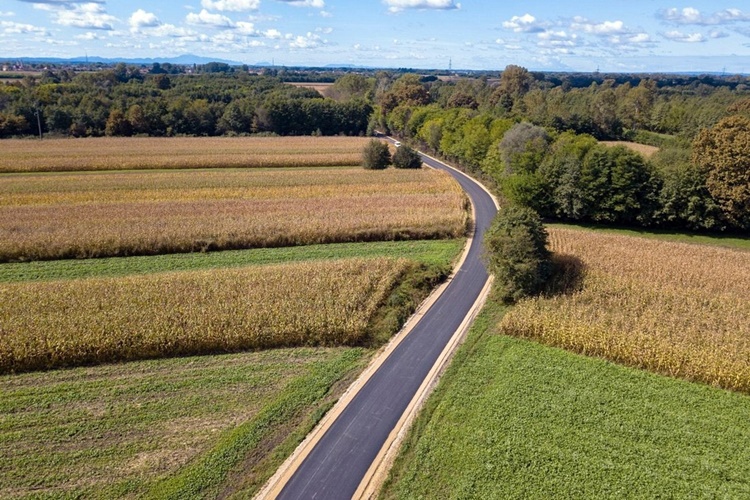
674, 308
66, 323
646, 150
51, 216
123, 153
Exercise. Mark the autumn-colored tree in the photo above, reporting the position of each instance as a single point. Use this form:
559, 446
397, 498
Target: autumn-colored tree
723, 153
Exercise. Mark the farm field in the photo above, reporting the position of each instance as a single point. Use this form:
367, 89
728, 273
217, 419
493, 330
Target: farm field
644, 149
128, 153
123, 409
515, 418
673, 308
70, 215
165, 428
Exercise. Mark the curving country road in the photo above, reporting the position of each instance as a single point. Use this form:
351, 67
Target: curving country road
339, 461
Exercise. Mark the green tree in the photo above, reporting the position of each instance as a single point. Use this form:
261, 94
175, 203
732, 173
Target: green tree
516, 252
376, 155
723, 153
406, 157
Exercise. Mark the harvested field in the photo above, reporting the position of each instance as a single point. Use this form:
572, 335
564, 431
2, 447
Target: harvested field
646, 150
674, 308
73, 322
98, 214
124, 153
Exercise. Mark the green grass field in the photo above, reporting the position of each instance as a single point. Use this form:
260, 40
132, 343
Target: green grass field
514, 419
179, 426
431, 252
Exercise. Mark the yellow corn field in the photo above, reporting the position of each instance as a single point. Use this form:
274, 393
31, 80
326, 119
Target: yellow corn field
72, 322
80, 215
124, 153
674, 308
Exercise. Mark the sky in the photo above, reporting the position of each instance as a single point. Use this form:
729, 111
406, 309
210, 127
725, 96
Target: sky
541, 35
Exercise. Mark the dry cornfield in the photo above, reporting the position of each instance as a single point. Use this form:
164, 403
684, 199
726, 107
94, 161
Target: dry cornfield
96, 214
678, 309
123, 153
72, 322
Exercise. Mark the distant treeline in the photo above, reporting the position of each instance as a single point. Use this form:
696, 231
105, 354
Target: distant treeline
125, 100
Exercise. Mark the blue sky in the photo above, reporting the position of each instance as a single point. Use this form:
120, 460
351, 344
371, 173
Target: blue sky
614, 35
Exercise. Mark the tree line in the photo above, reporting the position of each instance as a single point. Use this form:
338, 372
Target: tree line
542, 144
123, 101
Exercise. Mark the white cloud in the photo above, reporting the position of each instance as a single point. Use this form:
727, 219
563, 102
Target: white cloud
245, 28
523, 24
310, 41
231, 5
11, 28
604, 28
88, 15
143, 19
205, 18
273, 34
678, 36
399, 5
7, 14
318, 4
89, 36
690, 15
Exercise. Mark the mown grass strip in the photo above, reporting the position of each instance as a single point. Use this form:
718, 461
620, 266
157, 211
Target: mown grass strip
117, 430
430, 252
204, 477
514, 419
724, 240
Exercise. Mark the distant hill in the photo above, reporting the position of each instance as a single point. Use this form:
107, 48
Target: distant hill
185, 59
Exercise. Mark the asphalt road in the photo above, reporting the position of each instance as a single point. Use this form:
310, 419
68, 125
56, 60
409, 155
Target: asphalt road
336, 465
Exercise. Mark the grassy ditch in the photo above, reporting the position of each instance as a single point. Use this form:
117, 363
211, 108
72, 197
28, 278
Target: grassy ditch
515, 419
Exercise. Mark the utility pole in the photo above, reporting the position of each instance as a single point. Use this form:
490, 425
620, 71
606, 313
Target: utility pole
39, 122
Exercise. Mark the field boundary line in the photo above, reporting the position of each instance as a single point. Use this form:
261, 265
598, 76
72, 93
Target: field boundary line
276, 483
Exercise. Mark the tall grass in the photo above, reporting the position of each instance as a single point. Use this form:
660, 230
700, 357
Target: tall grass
72, 322
674, 308
53, 216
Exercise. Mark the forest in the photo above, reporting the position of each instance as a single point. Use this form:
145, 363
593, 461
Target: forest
538, 136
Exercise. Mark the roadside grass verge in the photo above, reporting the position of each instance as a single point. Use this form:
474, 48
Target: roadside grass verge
717, 239
428, 252
174, 428
515, 419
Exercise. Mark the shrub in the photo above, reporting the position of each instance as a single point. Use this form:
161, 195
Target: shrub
406, 157
516, 251
375, 155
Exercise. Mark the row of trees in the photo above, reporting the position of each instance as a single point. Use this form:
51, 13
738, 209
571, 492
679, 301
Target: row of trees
119, 103
546, 155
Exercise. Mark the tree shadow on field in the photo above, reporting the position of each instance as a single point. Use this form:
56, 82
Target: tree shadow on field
566, 278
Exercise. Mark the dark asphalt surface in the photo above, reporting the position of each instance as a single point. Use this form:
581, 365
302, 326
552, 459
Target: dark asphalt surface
337, 464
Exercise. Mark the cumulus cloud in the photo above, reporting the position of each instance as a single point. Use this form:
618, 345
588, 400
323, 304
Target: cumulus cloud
88, 15
690, 15
310, 41
205, 18
143, 19
603, 28
231, 5
399, 5
11, 28
318, 4
524, 24
678, 36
